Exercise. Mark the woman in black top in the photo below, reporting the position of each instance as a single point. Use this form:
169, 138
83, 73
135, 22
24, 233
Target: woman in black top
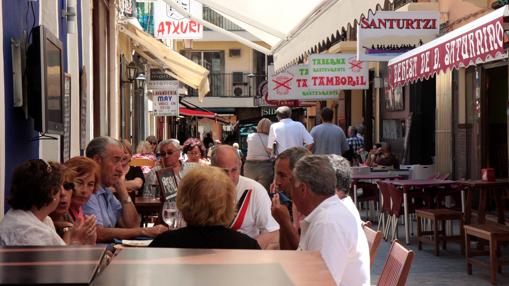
206, 198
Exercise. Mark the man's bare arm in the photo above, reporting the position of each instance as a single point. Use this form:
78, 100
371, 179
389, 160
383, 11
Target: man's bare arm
267, 238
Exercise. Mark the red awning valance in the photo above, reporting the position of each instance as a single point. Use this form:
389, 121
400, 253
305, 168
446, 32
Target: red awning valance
198, 113
465, 46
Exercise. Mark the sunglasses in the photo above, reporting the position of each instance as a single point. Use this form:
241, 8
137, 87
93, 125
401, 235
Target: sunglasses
68, 186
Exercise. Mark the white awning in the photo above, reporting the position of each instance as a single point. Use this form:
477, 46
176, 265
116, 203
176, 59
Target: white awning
291, 28
176, 65
473, 43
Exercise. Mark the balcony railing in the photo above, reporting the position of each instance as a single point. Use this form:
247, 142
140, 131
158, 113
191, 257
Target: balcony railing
217, 19
230, 84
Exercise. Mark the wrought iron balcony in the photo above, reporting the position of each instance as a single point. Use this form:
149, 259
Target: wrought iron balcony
217, 19
236, 84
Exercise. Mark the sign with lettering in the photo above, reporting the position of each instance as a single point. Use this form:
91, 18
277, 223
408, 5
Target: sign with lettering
387, 34
473, 43
169, 24
293, 84
165, 102
337, 71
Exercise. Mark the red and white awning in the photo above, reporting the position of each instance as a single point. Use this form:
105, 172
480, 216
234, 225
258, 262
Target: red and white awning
197, 113
465, 46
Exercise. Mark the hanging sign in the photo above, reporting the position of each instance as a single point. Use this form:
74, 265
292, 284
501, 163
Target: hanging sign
337, 71
471, 44
165, 102
293, 84
169, 24
387, 34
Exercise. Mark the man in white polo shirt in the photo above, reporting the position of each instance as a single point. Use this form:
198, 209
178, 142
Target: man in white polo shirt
329, 227
253, 217
287, 133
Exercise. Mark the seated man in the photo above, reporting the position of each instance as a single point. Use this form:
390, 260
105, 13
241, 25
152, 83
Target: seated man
329, 226
116, 218
253, 203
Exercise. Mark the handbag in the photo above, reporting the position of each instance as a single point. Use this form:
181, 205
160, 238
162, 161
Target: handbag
272, 159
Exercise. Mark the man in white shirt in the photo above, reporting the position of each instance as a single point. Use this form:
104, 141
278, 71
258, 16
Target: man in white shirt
287, 133
253, 214
329, 226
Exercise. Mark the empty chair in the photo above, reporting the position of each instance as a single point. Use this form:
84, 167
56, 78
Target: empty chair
385, 217
374, 239
397, 266
422, 172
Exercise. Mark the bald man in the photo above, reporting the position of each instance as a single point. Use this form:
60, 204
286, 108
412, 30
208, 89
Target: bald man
254, 216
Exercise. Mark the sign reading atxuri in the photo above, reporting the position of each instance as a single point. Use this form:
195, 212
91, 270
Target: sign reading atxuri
387, 34
169, 24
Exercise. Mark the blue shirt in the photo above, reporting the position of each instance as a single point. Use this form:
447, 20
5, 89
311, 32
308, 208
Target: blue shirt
329, 139
105, 206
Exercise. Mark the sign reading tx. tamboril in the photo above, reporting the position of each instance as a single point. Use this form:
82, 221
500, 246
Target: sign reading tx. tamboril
337, 71
387, 34
293, 84
169, 24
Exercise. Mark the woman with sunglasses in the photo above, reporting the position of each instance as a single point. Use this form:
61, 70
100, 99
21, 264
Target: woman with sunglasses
169, 152
35, 193
70, 222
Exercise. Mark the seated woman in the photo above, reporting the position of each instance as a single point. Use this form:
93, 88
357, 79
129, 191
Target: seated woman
35, 193
382, 156
70, 222
206, 199
194, 151
134, 178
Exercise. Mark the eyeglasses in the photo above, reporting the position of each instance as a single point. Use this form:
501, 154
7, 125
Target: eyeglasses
169, 153
68, 186
153, 143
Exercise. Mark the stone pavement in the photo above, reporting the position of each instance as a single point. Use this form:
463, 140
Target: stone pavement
447, 269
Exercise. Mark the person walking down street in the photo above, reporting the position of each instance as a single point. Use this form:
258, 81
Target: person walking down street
329, 138
287, 133
258, 165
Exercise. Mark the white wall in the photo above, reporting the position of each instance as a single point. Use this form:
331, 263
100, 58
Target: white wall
2, 122
87, 54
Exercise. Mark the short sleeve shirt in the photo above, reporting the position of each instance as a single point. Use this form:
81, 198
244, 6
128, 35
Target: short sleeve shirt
288, 133
105, 206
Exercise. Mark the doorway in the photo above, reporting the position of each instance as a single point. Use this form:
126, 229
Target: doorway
494, 119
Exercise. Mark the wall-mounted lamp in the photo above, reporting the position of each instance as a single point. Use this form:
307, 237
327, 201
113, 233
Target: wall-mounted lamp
69, 13
132, 71
140, 81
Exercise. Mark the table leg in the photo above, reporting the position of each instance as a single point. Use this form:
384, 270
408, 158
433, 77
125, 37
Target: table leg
500, 206
463, 201
482, 206
405, 206
468, 206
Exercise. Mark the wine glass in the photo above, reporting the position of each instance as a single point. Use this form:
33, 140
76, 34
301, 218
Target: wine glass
170, 214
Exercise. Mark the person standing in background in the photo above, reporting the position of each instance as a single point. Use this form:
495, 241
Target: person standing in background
329, 138
287, 133
258, 165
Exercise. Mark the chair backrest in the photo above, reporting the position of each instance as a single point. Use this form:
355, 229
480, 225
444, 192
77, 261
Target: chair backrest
397, 266
396, 196
142, 162
386, 198
374, 239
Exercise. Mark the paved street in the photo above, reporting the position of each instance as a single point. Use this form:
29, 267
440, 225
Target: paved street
447, 269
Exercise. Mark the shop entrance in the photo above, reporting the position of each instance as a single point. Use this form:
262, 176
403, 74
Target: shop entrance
494, 120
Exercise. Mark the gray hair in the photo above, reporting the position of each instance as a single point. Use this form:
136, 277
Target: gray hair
143, 147
283, 112
98, 146
165, 142
316, 172
293, 155
343, 172
214, 153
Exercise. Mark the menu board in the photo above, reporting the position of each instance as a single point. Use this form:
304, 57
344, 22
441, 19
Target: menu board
65, 143
167, 183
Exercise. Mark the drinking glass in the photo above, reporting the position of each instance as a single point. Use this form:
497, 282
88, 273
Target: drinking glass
170, 214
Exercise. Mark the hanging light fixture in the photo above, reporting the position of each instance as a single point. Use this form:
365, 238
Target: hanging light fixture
140, 81
132, 71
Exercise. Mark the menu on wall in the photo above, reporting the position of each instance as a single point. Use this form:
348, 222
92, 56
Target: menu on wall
66, 106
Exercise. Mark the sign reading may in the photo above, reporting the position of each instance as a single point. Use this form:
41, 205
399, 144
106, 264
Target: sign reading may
387, 34
169, 24
293, 84
337, 71
165, 96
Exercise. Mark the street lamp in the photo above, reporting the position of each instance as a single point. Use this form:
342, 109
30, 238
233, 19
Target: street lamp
132, 71
140, 81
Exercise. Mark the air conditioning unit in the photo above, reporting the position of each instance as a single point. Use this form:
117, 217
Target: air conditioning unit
234, 52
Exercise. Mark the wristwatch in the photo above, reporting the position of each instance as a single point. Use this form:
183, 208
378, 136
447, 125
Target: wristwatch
127, 201
66, 229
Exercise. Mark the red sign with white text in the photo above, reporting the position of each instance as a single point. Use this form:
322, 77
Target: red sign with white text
463, 47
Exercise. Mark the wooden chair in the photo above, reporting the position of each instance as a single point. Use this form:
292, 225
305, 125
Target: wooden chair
438, 217
374, 239
397, 266
142, 162
494, 234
